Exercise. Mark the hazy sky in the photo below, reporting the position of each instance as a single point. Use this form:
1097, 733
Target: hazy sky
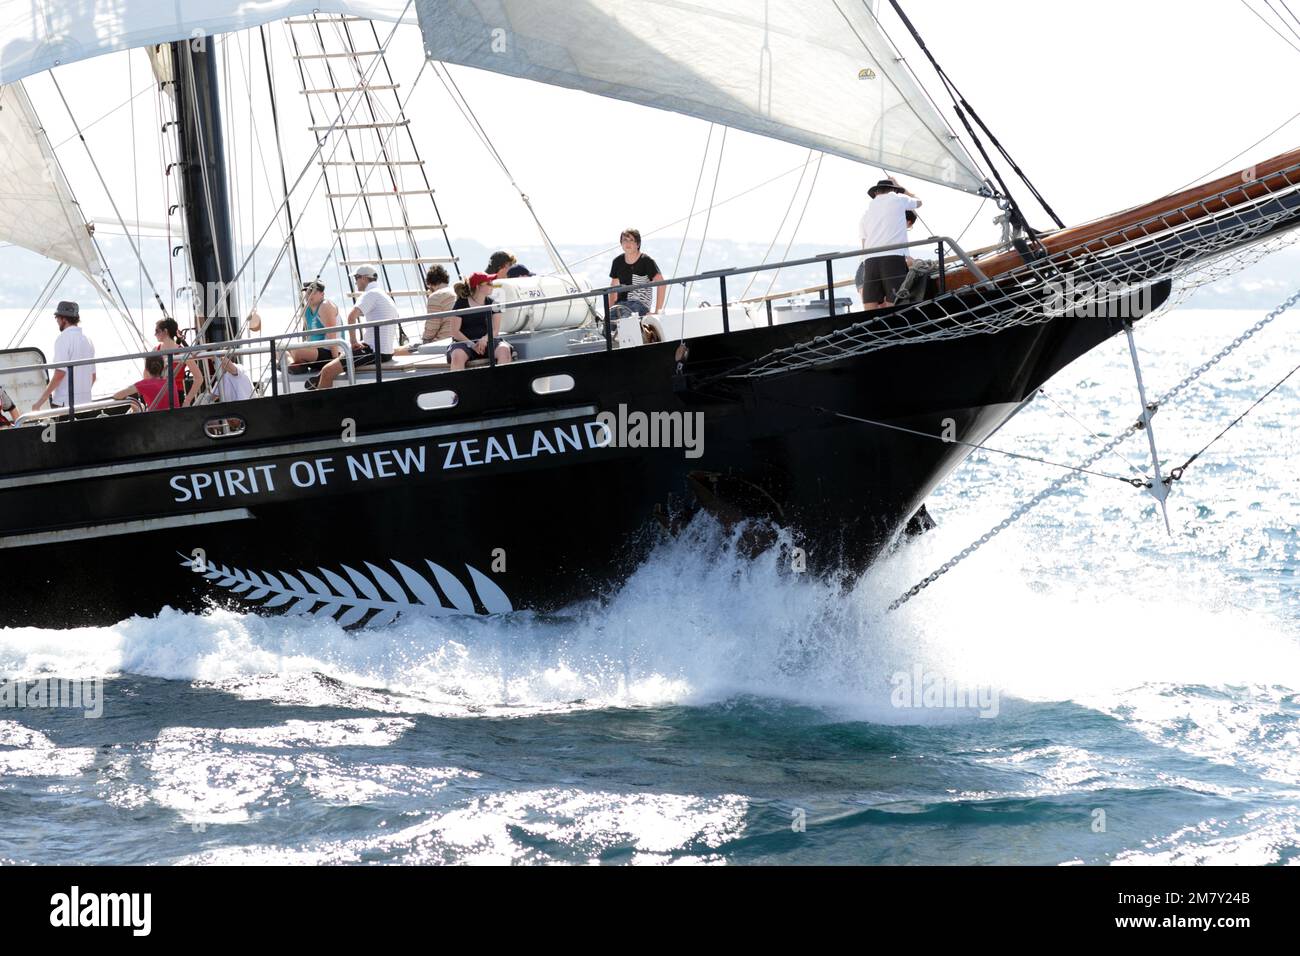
1104, 104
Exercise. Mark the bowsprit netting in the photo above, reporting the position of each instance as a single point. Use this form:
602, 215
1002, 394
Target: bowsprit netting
1103, 275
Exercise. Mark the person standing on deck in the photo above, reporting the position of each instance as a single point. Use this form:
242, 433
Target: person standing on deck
884, 224
375, 305
633, 268
72, 345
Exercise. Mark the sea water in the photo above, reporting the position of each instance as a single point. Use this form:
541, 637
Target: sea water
1085, 688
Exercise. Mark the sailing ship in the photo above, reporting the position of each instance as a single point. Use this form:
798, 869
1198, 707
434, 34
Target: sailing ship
423, 491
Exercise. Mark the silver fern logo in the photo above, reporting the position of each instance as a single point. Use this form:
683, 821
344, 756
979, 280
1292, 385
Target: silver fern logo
352, 597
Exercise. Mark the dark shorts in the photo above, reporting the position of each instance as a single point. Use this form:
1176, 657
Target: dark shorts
323, 355
468, 349
879, 277
635, 306
364, 355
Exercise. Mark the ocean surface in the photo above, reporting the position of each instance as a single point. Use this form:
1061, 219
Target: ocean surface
1084, 689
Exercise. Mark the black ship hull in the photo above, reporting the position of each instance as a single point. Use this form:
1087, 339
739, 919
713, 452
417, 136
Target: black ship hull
359, 504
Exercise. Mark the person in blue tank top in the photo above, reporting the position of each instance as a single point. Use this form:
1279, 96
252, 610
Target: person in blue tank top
319, 316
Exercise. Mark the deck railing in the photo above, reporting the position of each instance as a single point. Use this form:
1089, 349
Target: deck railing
274, 345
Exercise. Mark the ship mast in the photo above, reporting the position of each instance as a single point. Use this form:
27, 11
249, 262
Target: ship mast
206, 196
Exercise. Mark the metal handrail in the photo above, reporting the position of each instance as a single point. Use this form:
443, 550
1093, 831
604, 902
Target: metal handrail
345, 353
31, 417
209, 349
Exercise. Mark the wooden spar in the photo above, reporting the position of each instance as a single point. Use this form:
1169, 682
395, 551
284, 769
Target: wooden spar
1168, 212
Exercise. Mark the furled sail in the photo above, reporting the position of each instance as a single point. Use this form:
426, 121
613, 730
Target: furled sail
38, 36
37, 210
819, 73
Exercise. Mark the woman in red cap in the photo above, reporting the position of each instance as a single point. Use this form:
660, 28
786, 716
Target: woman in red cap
469, 332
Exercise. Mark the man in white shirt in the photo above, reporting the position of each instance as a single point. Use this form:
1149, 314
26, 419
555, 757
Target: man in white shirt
884, 224
377, 306
72, 345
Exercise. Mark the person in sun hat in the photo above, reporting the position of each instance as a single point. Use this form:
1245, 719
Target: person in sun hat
469, 331
72, 345
375, 305
884, 224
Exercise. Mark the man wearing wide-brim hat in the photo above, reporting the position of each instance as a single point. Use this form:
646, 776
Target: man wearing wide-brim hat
72, 345
884, 224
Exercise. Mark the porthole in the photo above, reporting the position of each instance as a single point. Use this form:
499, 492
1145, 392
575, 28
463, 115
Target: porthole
433, 401
551, 384
225, 427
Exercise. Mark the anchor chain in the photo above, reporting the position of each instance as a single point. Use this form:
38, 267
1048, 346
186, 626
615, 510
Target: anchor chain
1106, 449
1016, 515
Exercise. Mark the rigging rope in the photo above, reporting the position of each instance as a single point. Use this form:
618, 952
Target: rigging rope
365, 182
42, 300
293, 225
1283, 19
1274, 132
135, 178
798, 222
1176, 474
224, 286
424, 173
342, 29
296, 275
311, 159
103, 116
117, 212
962, 108
458, 98
708, 218
695, 195
677, 222
962, 235
1133, 482
1068, 414
1264, 20
777, 235
1106, 449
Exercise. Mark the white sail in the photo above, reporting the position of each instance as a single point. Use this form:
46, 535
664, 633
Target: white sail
819, 73
37, 209
37, 35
